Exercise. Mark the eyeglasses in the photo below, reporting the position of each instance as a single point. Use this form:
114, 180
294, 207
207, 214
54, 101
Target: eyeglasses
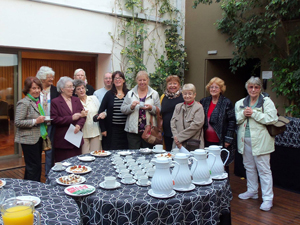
255, 87
70, 87
214, 87
118, 78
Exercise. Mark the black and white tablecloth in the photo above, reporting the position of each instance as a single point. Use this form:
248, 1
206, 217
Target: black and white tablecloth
131, 204
55, 207
291, 137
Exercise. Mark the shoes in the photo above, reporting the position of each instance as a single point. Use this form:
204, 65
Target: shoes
266, 205
247, 195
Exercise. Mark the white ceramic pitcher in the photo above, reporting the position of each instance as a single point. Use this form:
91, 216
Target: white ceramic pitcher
162, 181
218, 168
200, 166
181, 173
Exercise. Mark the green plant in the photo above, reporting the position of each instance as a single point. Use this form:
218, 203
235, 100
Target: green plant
135, 32
271, 29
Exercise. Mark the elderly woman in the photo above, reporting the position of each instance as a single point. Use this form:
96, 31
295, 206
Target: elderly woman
31, 129
253, 113
65, 110
169, 100
112, 127
188, 119
79, 74
49, 92
91, 131
139, 103
220, 123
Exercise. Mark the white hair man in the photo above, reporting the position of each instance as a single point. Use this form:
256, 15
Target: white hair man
79, 74
107, 86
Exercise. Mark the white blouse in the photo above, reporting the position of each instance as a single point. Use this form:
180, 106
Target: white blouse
91, 129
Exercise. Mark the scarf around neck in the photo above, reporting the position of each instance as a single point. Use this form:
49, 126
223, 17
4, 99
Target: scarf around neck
43, 126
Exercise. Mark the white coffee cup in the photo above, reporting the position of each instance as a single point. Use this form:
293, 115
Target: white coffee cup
151, 172
158, 147
143, 180
141, 158
142, 104
139, 173
135, 169
121, 167
109, 181
127, 178
128, 157
58, 166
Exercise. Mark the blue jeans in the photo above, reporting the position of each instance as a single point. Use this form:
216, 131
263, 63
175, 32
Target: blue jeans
49, 162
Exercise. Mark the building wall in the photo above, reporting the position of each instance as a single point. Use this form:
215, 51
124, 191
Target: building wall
201, 36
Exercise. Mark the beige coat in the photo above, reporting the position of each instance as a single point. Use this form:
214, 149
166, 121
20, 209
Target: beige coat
187, 123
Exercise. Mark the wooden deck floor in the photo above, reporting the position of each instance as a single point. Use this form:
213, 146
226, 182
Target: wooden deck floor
286, 209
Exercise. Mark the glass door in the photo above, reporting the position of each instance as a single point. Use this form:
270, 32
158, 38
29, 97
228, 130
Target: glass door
8, 86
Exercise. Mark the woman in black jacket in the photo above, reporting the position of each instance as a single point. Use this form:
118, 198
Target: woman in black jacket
112, 127
220, 122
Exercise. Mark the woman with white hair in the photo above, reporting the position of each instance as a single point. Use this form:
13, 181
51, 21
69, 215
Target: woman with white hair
79, 74
65, 110
253, 113
139, 104
188, 119
49, 92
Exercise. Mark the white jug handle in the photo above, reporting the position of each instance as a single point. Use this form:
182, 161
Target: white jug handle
177, 170
224, 149
194, 159
213, 162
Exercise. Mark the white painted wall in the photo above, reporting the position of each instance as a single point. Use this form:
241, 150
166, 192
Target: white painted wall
81, 26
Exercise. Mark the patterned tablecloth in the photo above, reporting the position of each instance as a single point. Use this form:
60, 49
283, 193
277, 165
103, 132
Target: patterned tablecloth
291, 137
131, 204
55, 207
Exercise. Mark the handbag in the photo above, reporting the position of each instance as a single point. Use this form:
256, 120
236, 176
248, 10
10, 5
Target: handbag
192, 144
279, 127
152, 134
47, 144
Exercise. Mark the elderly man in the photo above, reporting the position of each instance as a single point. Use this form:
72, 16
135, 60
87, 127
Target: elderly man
49, 92
79, 74
107, 86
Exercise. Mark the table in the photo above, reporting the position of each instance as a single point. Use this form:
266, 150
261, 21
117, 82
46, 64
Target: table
131, 204
55, 206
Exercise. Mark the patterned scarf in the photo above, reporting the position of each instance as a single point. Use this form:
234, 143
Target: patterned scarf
170, 95
43, 126
45, 100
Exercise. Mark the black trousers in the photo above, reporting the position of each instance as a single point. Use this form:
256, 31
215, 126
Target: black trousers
33, 160
168, 143
135, 141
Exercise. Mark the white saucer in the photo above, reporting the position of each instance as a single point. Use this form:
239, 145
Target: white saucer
220, 177
158, 150
209, 181
57, 170
150, 192
34, 199
102, 185
192, 187
143, 185
123, 153
86, 158
131, 182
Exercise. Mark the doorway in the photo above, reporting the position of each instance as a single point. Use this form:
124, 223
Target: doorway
235, 82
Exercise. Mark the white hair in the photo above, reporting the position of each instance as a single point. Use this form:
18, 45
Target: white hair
43, 72
189, 87
62, 83
253, 80
78, 70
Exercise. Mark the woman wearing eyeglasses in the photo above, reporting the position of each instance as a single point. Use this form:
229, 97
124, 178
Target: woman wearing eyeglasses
253, 113
112, 127
220, 124
65, 110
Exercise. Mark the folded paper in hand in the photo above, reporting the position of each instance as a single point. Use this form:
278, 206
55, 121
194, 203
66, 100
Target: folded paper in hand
74, 139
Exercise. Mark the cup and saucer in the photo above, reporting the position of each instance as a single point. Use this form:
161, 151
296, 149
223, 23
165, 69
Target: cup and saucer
109, 183
144, 184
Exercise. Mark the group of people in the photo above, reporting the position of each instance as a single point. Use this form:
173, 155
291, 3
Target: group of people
114, 117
